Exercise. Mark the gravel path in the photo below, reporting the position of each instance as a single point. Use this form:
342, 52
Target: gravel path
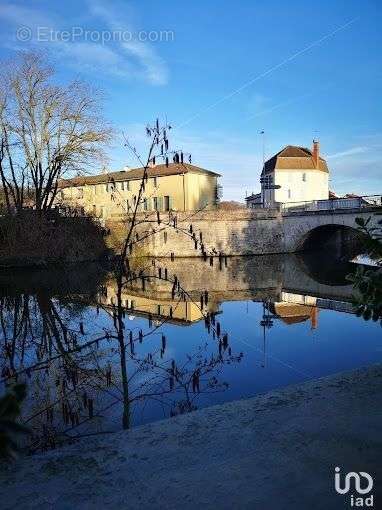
274, 451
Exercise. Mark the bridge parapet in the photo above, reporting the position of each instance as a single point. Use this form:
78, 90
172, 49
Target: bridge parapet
334, 204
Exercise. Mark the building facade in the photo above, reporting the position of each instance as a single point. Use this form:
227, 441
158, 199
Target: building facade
254, 201
295, 174
176, 187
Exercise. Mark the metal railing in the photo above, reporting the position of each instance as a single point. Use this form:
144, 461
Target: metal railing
337, 306
366, 201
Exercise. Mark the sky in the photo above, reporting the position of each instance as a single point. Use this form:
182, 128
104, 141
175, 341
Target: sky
221, 72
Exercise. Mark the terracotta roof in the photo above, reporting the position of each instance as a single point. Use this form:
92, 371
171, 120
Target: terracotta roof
291, 313
296, 158
135, 174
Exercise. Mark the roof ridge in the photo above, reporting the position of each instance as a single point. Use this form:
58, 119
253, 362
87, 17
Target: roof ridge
160, 170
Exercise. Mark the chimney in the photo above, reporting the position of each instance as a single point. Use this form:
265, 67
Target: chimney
314, 317
316, 152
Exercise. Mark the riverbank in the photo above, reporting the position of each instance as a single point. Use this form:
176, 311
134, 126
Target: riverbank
273, 451
29, 240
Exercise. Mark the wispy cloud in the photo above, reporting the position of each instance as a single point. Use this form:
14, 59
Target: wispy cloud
265, 108
349, 152
154, 68
358, 169
134, 59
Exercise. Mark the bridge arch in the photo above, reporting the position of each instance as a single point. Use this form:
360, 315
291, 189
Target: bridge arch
336, 239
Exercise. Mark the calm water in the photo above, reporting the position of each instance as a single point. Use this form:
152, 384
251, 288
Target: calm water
271, 321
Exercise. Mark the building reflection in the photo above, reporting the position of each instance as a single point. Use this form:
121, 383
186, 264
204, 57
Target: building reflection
284, 283
158, 308
290, 313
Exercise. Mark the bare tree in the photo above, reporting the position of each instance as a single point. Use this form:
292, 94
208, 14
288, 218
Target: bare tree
85, 385
46, 130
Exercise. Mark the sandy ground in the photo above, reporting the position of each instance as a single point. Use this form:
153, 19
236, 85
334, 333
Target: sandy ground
274, 451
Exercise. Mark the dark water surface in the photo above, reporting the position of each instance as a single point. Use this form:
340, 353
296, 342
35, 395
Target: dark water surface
271, 321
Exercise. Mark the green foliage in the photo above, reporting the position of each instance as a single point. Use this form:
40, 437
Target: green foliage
10, 405
367, 283
373, 237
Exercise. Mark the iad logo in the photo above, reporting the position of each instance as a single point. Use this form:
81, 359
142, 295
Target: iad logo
355, 501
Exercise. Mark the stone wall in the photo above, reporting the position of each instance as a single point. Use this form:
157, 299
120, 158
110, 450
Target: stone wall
236, 232
241, 232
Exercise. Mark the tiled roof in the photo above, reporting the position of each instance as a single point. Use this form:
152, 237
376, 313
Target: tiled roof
135, 174
291, 313
296, 158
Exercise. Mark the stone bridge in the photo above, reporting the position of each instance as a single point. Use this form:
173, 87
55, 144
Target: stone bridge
326, 229
250, 232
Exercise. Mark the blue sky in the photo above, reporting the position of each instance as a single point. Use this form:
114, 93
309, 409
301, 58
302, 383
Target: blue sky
223, 71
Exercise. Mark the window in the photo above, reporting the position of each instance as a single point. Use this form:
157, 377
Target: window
304, 177
266, 181
289, 193
107, 187
95, 210
158, 203
145, 204
122, 186
166, 203
155, 179
127, 185
80, 193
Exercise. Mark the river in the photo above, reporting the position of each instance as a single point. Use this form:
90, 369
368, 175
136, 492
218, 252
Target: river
222, 332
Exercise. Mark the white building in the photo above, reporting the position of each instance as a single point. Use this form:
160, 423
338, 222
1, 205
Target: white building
295, 174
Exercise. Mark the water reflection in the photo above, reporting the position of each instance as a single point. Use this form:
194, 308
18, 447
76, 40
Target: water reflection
97, 356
